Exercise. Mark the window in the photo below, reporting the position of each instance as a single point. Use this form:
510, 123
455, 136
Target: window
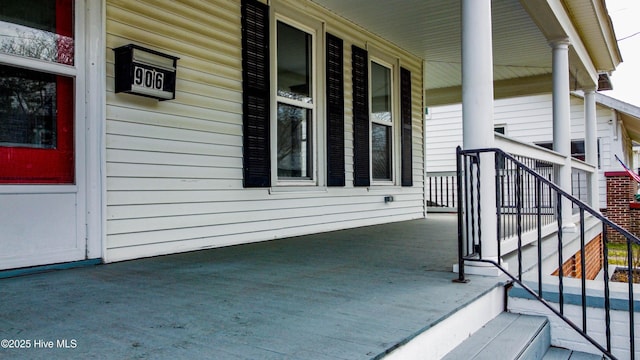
577, 149
295, 103
37, 97
381, 122
500, 129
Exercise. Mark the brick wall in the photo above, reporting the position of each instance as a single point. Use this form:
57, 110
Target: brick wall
593, 261
621, 190
634, 218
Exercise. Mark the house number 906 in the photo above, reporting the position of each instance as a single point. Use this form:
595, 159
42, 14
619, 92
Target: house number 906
149, 78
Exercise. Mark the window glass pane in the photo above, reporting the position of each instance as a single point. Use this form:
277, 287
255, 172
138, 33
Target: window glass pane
380, 92
294, 142
381, 151
294, 63
28, 108
40, 29
577, 149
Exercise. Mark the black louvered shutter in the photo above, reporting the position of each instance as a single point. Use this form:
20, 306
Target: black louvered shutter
360, 76
255, 94
335, 112
405, 120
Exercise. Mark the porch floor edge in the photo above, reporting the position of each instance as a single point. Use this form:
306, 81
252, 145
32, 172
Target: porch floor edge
450, 330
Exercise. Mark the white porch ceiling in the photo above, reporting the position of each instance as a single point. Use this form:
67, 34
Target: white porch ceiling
430, 29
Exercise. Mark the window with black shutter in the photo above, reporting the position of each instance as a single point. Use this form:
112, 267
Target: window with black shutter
280, 96
382, 120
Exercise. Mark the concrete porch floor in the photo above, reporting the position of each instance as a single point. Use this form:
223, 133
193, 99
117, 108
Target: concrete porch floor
351, 294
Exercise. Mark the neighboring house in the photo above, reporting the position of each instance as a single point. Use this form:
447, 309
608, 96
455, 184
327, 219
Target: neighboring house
529, 119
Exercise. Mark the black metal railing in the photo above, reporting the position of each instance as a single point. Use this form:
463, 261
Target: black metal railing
442, 191
534, 202
579, 186
517, 196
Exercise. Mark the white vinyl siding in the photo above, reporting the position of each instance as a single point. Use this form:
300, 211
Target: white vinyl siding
528, 119
174, 168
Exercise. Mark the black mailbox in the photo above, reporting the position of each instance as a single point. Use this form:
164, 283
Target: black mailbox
145, 72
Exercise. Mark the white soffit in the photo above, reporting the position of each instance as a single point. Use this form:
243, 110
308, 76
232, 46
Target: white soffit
430, 29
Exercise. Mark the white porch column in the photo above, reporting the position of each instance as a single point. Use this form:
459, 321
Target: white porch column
477, 115
591, 146
562, 123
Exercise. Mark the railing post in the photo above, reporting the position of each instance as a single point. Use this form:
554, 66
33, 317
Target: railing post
498, 160
607, 301
519, 219
459, 177
583, 272
632, 340
591, 146
560, 257
539, 232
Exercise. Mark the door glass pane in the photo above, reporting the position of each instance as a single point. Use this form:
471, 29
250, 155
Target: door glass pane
380, 92
40, 29
28, 110
294, 142
381, 151
36, 127
294, 63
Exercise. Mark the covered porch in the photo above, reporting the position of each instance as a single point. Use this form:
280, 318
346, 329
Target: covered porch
350, 294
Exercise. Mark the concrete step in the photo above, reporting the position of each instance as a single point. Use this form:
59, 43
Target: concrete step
555, 353
508, 336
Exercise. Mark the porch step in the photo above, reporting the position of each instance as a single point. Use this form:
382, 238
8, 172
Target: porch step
508, 336
555, 353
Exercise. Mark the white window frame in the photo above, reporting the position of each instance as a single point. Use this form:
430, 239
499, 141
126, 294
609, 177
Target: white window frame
393, 65
314, 27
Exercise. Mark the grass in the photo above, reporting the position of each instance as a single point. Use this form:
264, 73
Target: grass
618, 254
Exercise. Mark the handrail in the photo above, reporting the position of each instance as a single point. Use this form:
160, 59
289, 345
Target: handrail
555, 187
521, 148
469, 217
581, 165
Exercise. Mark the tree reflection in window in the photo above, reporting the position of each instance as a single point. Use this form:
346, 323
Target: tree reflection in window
27, 108
381, 151
293, 142
39, 29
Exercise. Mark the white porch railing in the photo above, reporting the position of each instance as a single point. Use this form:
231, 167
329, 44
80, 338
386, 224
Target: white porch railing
441, 187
